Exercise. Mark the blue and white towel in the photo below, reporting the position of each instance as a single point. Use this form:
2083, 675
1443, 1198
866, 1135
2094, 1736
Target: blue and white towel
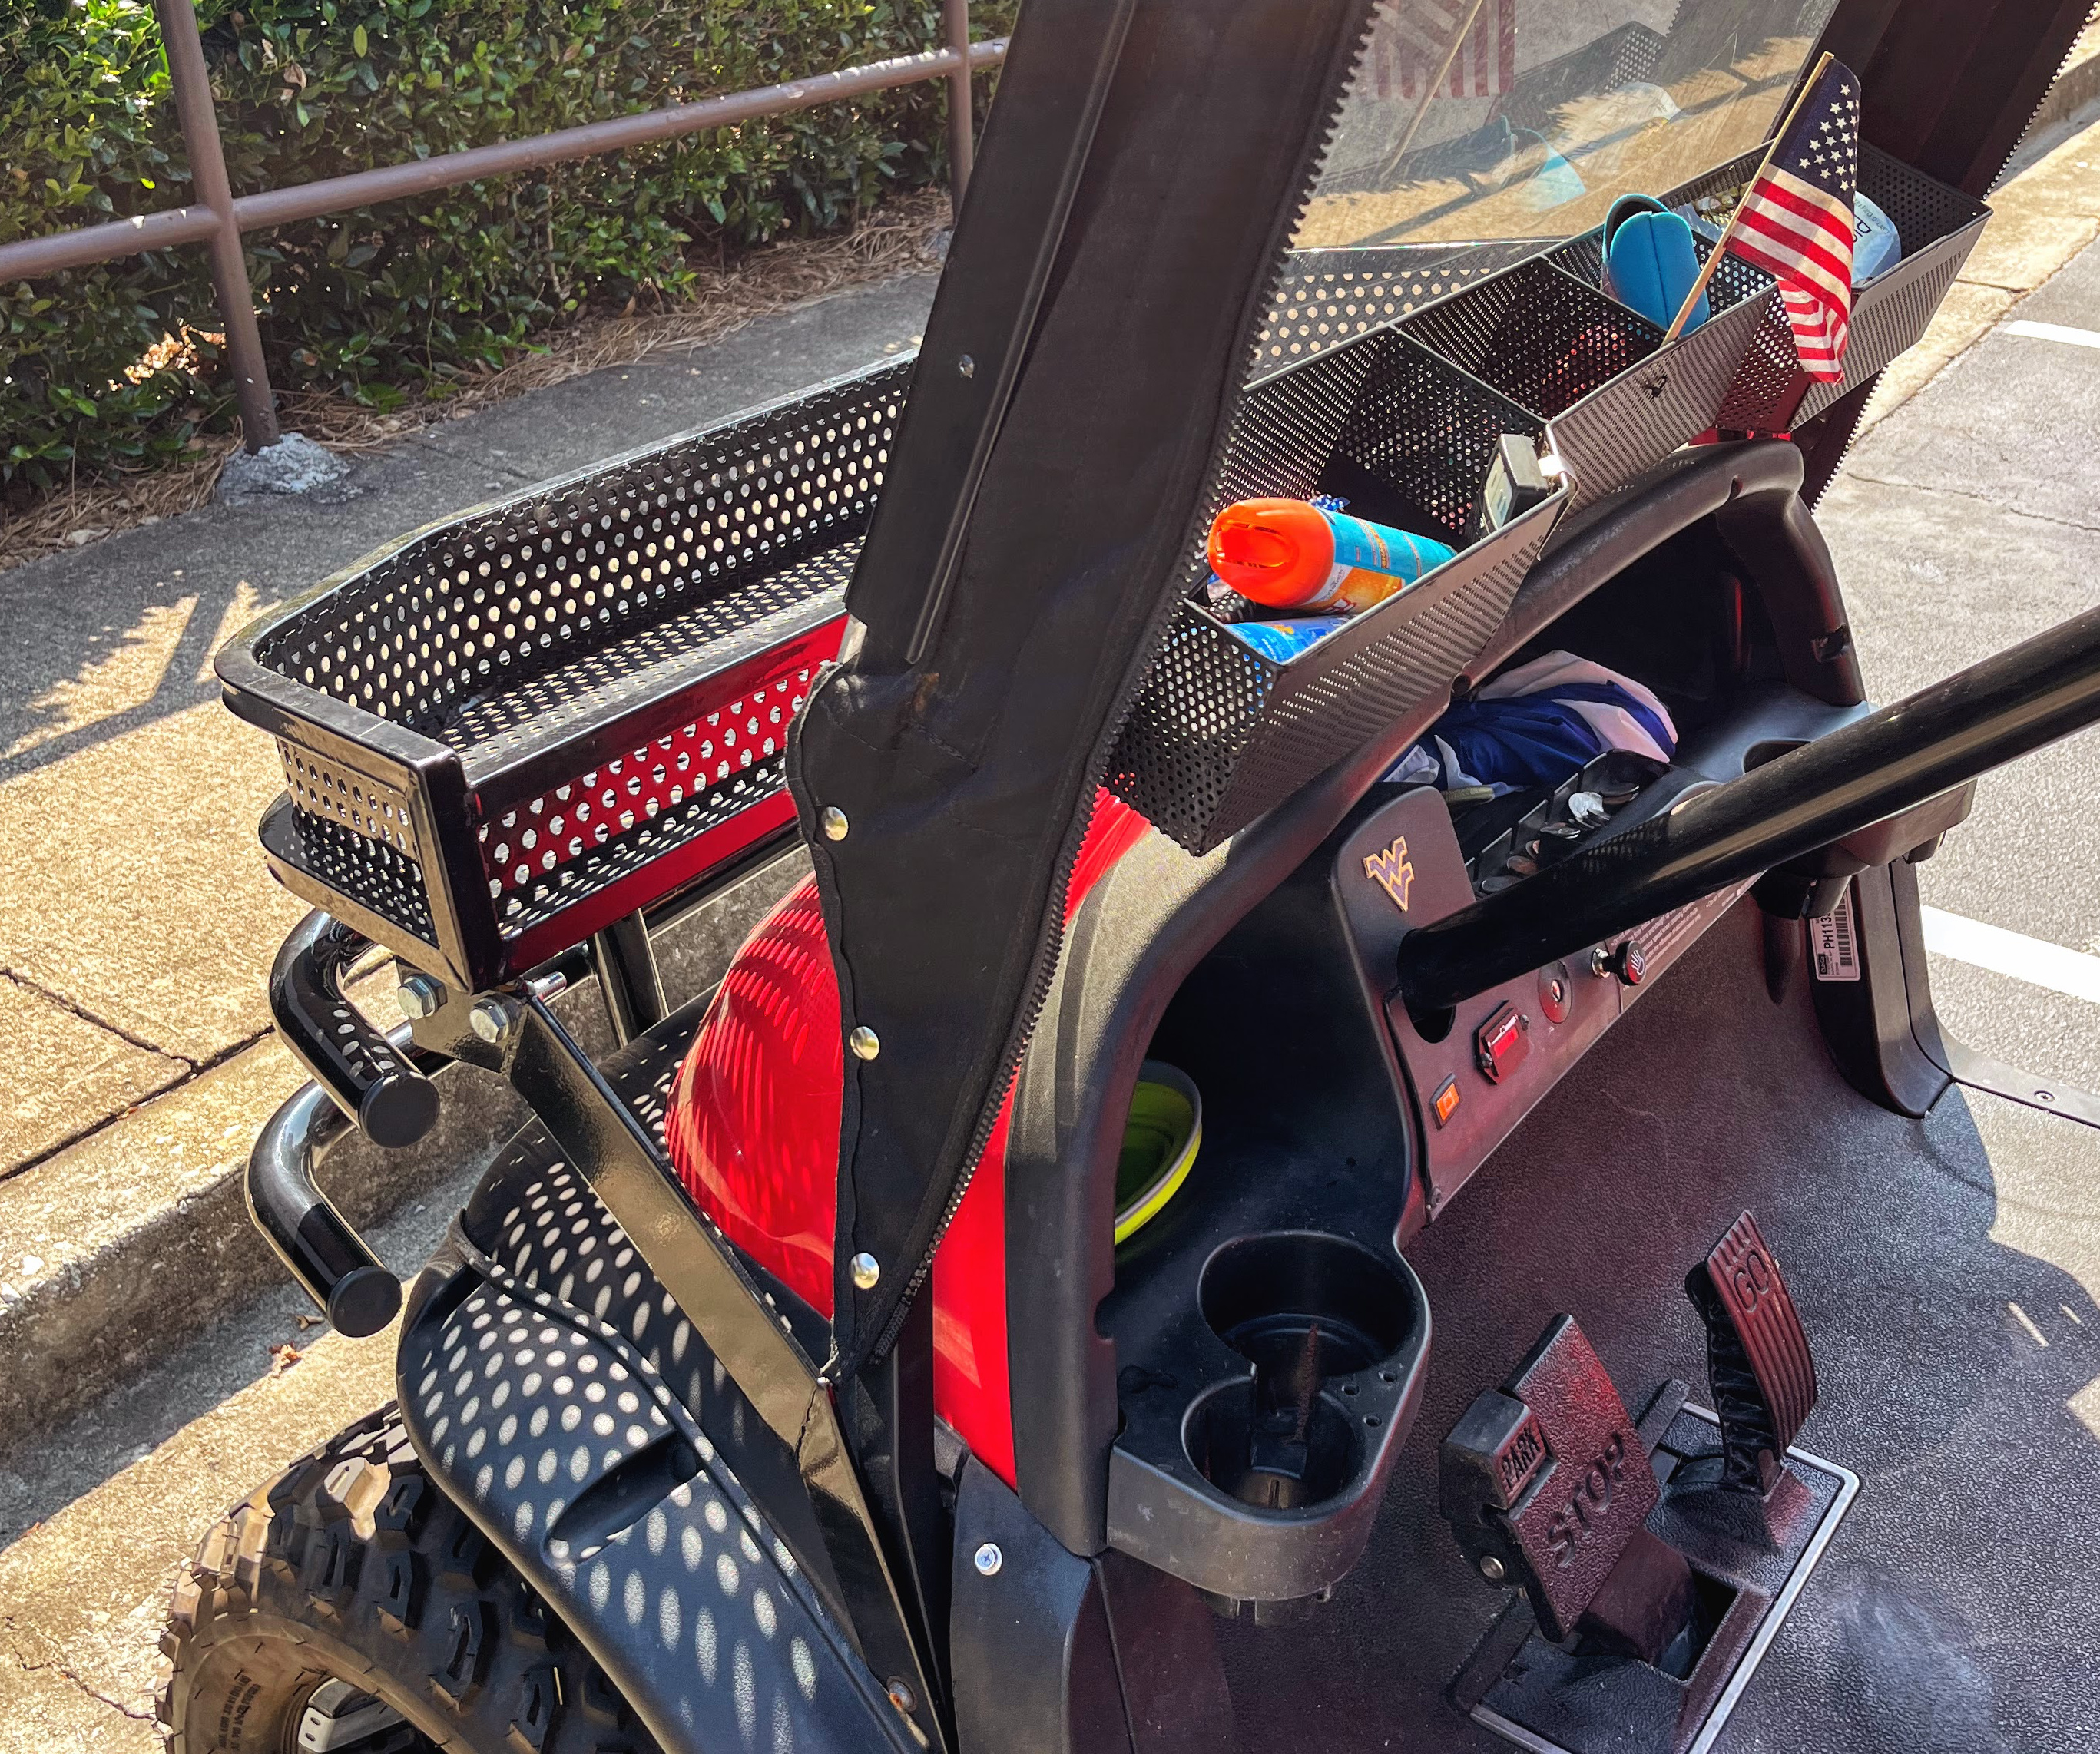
1536, 725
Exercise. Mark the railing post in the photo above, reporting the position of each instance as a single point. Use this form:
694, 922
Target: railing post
962, 133
229, 267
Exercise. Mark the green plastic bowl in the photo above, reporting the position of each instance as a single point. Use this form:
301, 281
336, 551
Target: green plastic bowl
1161, 1136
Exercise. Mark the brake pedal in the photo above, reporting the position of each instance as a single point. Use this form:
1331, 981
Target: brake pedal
1655, 1558
1546, 1483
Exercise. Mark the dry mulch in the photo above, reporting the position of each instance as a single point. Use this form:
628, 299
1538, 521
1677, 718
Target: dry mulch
901, 235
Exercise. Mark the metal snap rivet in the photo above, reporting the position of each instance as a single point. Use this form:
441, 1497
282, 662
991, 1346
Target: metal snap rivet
967, 366
864, 1041
1491, 1568
866, 1270
833, 821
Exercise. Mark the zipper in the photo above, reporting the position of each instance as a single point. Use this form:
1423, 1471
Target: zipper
2063, 67
1050, 948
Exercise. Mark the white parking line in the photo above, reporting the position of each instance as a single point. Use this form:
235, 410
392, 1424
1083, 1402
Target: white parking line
2071, 338
2012, 953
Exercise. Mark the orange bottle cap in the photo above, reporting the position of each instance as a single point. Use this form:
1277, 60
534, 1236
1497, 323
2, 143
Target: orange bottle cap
1275, 552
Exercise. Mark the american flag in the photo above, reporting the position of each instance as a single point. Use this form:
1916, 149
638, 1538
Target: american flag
1410, 39
1796, 222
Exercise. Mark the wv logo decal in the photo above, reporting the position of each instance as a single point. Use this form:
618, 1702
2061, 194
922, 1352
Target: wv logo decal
1393, 871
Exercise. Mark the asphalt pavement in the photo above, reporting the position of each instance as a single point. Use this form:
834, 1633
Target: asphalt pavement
1968, 521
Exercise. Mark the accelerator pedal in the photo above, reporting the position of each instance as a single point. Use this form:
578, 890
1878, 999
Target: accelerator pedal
1758, 1360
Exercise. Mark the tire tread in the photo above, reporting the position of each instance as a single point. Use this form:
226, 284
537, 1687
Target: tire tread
477, 1661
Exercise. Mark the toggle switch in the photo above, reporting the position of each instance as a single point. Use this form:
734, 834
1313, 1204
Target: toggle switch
1500, 1044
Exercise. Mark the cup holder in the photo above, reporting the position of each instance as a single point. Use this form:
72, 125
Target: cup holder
1272, 1455
1307, 1310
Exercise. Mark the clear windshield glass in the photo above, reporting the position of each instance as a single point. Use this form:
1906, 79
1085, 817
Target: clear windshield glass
1491, 119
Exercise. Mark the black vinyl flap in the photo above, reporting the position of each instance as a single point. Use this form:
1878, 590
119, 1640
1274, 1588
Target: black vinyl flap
967, 776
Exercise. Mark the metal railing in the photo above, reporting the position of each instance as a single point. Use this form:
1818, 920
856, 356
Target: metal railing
218, 217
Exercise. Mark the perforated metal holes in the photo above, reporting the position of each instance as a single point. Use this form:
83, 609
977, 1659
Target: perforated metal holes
356, 801
1537, 335
494, 600
1219, 734
686, 594
1938, 226
567, 842
1328, 297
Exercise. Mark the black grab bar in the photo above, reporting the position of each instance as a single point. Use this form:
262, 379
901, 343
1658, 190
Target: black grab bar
378, 1082
374, 1083
314, 1241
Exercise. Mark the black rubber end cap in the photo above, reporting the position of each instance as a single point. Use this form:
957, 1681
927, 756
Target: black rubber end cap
399, 1110
364, 1300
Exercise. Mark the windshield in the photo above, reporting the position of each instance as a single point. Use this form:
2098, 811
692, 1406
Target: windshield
1490, 119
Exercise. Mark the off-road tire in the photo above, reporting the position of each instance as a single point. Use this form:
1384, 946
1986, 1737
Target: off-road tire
353, 1564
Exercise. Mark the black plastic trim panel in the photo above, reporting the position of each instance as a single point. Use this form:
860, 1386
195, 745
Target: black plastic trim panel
589, 1475
1137, 937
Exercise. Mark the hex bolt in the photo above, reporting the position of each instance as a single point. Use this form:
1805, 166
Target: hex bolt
420, 996
866, 1270
833, 821
967, 366
902, 1696
864, 1041
493, 1020
988, 1559
1491, 1568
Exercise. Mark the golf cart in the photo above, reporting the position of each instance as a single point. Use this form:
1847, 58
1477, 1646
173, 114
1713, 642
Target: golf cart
829, 1365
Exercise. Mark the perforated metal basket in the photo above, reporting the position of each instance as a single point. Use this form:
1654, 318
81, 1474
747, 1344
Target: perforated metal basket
1327, 298
1617, 398
1769, 362
1938, 226
1220, 732
510, 728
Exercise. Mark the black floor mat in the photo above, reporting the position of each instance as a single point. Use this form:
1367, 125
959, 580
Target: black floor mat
1958, 1608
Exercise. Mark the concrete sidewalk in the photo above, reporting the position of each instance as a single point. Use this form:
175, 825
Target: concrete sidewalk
137, 923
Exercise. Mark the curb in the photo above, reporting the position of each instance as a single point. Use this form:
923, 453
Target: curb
2076, 87
140, 1234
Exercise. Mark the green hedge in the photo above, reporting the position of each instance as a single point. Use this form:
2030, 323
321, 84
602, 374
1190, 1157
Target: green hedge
392, 301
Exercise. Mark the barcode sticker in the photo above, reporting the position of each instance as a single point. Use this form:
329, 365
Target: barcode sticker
1835, 946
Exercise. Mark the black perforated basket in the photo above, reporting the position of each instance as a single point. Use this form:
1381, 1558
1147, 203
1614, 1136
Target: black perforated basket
1769, 362
1220, 733
1326, 298
1616, 398
506, 731
1938, 226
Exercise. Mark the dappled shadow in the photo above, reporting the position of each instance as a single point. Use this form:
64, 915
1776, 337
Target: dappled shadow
98, 647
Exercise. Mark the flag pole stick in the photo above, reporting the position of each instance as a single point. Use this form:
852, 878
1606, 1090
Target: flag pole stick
1721, 243
1443, 72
